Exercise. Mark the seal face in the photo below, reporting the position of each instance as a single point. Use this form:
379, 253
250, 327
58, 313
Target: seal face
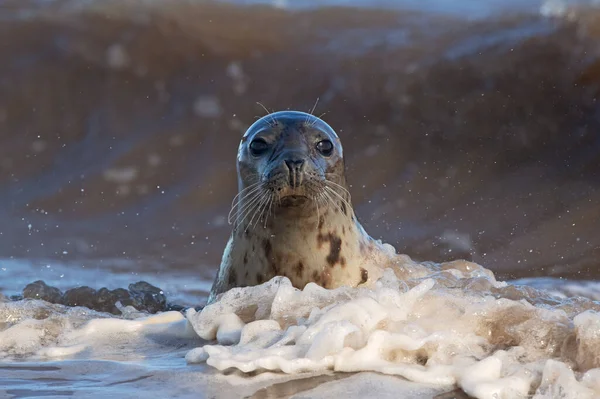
293, 215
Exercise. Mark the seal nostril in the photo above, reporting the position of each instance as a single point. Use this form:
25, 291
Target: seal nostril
294, 164
295, 168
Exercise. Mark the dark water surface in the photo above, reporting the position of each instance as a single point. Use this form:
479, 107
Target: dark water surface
465, 137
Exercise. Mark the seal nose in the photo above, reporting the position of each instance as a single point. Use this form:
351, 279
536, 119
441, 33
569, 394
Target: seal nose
295, 167
294, 164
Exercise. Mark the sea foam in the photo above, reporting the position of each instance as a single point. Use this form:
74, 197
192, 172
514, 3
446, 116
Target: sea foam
457, 326
452, 325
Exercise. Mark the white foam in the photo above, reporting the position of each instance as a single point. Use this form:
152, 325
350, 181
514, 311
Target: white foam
452, 326
371, 385
459, 327
38, 330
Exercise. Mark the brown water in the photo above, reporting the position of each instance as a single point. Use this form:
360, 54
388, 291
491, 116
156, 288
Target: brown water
119, 125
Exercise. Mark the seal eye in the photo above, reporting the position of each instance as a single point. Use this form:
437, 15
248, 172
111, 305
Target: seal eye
258, 147
325, 147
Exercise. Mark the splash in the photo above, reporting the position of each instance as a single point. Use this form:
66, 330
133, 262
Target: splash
457, 326
453, 326
38, 330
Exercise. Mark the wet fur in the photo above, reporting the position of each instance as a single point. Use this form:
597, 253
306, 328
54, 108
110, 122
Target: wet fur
313, 239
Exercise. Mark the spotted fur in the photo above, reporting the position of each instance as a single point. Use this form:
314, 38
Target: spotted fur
302, 237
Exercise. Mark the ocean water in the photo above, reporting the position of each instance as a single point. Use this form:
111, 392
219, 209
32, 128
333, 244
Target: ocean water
470, 132
451, 326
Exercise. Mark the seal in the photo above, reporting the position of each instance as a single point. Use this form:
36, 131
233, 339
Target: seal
293, 213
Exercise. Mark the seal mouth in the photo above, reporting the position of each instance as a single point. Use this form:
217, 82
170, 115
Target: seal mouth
293, 200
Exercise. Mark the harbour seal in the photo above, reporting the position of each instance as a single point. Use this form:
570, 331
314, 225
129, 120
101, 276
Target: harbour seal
293, 214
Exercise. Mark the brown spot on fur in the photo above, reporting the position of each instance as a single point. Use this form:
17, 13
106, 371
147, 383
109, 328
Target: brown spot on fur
315, 276
260, 278
232, 278
343, 261
335, 244
364, 275
321, 222
274, 267
325, 279
268, 247
320, 240
335, 247
363, 248
299, 269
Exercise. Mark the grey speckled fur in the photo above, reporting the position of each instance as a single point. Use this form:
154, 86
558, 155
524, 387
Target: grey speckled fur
298, 223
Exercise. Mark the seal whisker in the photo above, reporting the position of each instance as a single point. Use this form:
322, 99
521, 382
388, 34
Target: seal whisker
274, 122
263, 208
317, 119
252, 210
247, 208
269, 211
268, 214
314, 106
236, 210
344, 190
249, 202
245, 197
245, 191
323, 200
335, 185
343, 202
318, 213
257, 209
332, 201
270, 205
339, 196
310, 113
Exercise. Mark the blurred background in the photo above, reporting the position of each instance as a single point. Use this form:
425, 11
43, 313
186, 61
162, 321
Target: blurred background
471, 130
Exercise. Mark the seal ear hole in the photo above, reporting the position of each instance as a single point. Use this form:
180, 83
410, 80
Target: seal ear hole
325, 147
258, 147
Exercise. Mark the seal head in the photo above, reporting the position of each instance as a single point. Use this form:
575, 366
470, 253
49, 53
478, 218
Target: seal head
286, 159
293, 214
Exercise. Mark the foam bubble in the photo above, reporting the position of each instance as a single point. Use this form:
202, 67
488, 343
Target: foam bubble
450, 325
455, 326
